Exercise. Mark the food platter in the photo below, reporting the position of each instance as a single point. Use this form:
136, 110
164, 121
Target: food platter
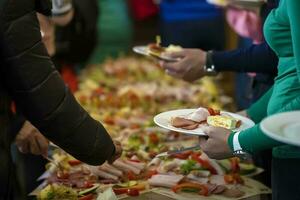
283, 127
164, 120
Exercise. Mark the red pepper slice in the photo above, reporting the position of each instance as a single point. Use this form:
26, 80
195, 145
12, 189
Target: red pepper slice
213, 111
238, 179
151, 173
154, 139
203, 190
74, 162
204, 163
87, 197
131, 176
183, 155
235, 167
228, 178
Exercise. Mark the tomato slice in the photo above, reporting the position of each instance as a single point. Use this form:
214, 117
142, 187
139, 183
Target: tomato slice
133, 192
88, 184
62, 175
131, 176
118, 191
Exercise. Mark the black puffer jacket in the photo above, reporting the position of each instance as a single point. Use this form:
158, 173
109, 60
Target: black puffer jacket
32, 81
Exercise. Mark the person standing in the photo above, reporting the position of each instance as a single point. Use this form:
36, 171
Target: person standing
28, 76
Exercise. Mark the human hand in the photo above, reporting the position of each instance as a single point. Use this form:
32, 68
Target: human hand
30, 140
216, 145
118, 152
189, 67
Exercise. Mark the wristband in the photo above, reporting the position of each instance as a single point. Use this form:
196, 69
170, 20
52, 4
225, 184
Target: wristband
61, 7
236, 143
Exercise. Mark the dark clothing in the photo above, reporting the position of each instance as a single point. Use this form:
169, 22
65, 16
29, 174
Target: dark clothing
205, 34
255, 58
285, 179
30, 78
76, 41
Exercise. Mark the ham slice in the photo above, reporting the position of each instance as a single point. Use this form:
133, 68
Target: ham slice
190, 127
201, 180
199, 115
111, 169
138, 165
163, 180
213, 163
217, 179
154, 162
180, 122
126, 167
219, 189
98, 172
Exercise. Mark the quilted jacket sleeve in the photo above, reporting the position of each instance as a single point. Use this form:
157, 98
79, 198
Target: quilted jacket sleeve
40, 92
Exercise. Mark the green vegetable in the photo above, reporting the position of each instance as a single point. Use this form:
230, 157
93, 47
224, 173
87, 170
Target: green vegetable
246, 168
127, 184
188, 166
193, 190
89, 190
134, 142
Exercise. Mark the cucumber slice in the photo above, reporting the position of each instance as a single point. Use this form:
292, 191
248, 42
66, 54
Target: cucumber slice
127, 184
246, 168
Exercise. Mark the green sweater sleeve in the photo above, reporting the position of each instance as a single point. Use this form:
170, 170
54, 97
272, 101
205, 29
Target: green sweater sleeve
258, 110
293, 8
253, 140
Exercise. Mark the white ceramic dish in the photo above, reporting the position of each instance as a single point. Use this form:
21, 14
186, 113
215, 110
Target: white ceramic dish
163, 120
283, 127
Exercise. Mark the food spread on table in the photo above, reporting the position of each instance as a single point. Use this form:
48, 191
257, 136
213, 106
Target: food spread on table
124, 95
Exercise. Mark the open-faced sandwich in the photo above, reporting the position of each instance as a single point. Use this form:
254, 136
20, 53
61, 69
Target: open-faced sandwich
156, 50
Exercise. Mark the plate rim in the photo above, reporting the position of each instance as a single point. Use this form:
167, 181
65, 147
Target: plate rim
276, 136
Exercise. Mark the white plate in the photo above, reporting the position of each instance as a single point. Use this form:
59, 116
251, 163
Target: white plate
163, 120
143, 50
283, 127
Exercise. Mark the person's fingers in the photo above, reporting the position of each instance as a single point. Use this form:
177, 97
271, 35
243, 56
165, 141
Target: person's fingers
208, 131
177, 54
23, 146
42, 143
203, 143
34, 147
174, 66
173, 73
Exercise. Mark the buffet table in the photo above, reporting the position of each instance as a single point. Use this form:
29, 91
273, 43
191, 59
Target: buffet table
125, 94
